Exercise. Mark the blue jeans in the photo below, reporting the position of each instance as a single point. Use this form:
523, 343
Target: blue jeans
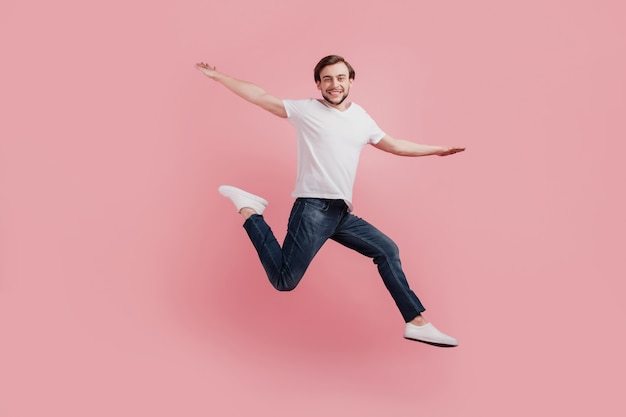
312, 221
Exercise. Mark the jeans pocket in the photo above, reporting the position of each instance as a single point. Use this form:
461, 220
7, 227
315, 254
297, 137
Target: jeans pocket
317, 203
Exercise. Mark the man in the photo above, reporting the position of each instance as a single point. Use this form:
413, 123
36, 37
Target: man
331, 132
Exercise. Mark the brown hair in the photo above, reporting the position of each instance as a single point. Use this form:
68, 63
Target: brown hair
331, 60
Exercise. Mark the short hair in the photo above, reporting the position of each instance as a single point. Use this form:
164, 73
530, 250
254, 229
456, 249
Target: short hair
331, 60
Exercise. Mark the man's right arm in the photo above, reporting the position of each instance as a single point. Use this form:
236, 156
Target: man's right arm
248, 91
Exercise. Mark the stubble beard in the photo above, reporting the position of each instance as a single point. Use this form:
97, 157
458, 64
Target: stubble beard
345, 96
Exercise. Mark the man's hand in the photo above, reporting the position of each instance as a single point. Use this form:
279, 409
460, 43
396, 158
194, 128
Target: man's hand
449, 151
206, 69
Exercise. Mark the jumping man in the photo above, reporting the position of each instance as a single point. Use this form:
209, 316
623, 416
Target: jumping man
331, 133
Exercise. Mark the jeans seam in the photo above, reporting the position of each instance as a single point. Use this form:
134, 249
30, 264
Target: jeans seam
293, 246
259, 232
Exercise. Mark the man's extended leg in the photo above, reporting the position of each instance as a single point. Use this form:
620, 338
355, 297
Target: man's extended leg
355, 233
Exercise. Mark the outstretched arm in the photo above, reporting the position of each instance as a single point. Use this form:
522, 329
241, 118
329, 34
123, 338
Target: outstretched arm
248, 91
406, 148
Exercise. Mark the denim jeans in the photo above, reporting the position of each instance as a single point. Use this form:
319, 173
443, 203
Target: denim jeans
312, 221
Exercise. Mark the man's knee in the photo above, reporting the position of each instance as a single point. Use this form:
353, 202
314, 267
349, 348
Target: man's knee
285, 288
287, 282
388, 251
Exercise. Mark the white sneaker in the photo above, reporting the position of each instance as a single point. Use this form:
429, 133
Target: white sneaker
429, 334
243, 198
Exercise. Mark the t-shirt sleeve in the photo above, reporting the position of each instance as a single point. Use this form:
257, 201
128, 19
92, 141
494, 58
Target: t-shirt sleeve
376, 133
293, 108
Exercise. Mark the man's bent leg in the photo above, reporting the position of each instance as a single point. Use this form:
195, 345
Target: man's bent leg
306, 233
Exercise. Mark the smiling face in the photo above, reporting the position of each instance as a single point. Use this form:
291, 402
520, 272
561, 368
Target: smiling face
335, 84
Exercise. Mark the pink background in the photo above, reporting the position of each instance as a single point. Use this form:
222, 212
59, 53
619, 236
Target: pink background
129, 288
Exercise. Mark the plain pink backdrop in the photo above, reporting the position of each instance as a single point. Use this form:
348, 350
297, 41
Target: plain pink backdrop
129, 288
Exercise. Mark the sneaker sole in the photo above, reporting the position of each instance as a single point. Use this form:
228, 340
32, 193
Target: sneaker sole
243, 193
444, 345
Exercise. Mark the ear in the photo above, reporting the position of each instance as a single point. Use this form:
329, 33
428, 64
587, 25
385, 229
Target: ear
318, 84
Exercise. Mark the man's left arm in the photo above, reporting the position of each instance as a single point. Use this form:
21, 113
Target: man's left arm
407, 148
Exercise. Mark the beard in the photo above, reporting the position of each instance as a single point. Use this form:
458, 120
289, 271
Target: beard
345, 96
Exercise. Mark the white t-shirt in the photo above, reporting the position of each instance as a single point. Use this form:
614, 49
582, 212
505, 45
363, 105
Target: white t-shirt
329, 146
